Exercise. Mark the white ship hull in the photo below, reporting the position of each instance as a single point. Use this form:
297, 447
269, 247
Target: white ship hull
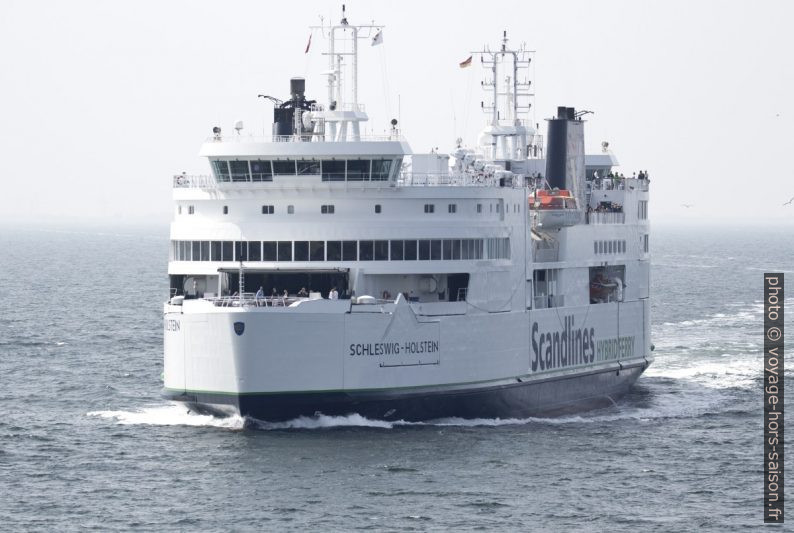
388, 362
509, 303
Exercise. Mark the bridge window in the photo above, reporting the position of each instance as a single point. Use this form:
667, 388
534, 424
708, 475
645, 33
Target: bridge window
333, 249
254, 250
452, 208
466, 249
284, 168
261, 171
290, 209
358, 170
349, 251
435, 250
377, 208
317, 250
267, 210
430, 208
381, 250
424, 250
327, 209
191, 209
306, 168
479, 208
301, 251
410, 250
333, 170
239, 170
396, 250
284, 251
221, 169
447, 249
269, 251
225, 209
381, 169
456, 249
365, 250
241, 250
182, 251
471, 249
227, 251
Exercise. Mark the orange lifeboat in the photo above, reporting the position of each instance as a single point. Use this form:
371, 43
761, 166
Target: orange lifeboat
555, 208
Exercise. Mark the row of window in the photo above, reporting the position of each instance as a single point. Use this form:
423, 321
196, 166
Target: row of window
375, 250
609, 247
329, 169
329, 209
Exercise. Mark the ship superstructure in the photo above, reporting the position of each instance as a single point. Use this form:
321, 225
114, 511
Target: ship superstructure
320, 270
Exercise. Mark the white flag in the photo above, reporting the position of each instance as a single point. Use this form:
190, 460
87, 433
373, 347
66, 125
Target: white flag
378, 39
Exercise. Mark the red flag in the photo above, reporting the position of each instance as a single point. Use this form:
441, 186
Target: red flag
309, 44
467, 63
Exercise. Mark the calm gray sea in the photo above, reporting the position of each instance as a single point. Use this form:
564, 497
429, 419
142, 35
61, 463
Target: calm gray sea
86, 442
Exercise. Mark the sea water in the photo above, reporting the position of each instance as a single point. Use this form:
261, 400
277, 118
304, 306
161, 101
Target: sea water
87, 443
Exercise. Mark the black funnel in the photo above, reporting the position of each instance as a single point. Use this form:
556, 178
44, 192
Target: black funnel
297, 88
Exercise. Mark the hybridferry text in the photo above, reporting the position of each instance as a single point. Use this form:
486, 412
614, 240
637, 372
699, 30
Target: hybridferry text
575, 346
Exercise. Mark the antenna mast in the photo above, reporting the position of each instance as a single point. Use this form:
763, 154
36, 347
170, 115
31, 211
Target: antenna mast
343, 110
509, 124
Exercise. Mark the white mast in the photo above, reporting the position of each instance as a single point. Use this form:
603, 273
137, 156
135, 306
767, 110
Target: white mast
507, 131
343, 113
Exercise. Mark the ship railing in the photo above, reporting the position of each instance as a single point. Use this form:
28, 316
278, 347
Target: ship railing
546, 254
361, 108
305, 136
249, 299
414, 179
194, 181
617, 184
598, 217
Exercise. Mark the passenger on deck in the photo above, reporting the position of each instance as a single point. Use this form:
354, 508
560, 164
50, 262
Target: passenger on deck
274, 293
303, 293
332, 294
386, 295
260, 294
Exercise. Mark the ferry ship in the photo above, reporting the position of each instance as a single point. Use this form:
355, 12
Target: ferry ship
323, 271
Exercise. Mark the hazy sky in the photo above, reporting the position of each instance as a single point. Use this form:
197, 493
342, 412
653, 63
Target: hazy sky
102, 102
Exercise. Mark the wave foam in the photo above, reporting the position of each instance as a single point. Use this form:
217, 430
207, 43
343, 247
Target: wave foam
731, 372
172, 414
322, 422
177, 415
